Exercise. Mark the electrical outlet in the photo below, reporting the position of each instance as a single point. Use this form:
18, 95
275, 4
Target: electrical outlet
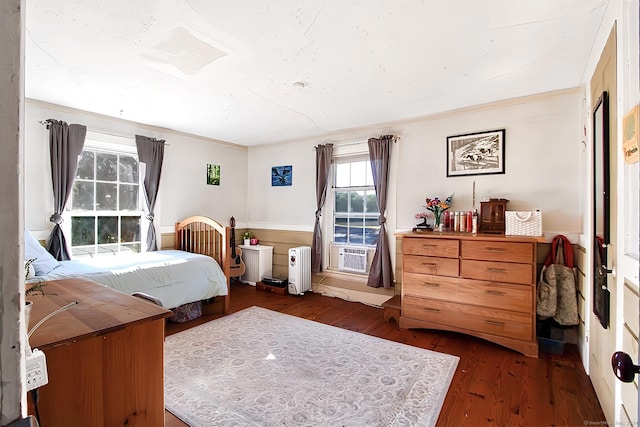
36, 370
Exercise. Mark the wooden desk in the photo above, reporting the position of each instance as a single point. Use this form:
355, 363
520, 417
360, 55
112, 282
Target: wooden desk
105, 357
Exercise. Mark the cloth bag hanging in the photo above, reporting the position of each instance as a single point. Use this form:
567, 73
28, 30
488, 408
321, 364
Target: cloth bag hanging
556, 293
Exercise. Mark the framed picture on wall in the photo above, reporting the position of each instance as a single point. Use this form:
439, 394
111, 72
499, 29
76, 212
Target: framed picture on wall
281, 176
480, 153
213, 174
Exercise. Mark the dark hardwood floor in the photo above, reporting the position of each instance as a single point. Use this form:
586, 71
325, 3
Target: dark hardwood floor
492, 386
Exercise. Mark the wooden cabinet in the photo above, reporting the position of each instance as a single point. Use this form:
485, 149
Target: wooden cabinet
481, 285
492, 216
105, 357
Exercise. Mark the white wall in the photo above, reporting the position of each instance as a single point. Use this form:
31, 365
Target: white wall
289, 207
542, 143
543, 146
183, 188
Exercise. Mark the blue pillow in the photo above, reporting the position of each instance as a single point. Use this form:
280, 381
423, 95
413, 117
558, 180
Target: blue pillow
44, 262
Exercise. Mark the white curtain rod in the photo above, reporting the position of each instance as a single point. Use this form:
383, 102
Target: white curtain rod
346, 144
46, 122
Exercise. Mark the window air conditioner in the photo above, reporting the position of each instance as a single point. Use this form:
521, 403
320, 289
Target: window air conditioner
352, 259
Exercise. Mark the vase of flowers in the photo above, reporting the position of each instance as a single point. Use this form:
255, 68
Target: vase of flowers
437, 208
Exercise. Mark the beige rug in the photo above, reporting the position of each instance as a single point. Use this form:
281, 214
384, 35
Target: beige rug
258, 367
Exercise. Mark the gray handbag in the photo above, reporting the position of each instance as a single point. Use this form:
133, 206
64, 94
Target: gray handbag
547, 294
556, 293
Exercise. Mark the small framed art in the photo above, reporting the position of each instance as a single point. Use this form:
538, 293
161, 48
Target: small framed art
480, 153
213, 174
281, 176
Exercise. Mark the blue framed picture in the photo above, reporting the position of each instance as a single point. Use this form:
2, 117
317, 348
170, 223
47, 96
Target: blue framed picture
281, 176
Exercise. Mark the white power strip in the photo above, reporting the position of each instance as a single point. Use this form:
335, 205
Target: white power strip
36, 369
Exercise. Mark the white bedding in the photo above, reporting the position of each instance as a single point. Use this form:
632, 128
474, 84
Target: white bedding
174, 277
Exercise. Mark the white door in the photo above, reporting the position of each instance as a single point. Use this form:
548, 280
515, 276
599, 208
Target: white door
603, 323
627, 276
623, 359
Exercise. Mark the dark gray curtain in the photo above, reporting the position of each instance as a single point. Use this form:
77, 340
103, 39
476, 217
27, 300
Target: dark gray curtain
381, 273
151, 153
65, 146
324, 153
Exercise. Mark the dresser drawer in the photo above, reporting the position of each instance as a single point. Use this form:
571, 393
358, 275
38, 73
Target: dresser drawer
498, 251
431, 265
444, 248
497, 271
467, 291
503, 323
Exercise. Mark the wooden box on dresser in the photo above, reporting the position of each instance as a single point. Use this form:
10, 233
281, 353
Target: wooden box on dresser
478, 284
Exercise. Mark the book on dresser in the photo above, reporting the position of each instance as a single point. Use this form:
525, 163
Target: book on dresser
477, 284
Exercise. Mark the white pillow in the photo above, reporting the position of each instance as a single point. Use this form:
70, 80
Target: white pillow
44, 262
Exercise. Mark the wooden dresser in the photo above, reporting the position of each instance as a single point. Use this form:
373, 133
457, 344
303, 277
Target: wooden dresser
105, 357
482, 285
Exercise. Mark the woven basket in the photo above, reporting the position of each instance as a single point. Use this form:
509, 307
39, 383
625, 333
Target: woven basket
523, 223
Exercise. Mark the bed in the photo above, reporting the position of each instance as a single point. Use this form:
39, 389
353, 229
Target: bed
196, 270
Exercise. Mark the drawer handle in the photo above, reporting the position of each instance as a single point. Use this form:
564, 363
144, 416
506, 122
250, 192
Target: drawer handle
491, 292
496, 270
426, 245
494, 323
431, 285
495, 250
431, 310
430, 264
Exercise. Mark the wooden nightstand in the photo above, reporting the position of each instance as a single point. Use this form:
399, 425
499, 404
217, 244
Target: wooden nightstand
259, 262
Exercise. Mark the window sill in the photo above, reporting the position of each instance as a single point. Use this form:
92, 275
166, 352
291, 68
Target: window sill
353, 277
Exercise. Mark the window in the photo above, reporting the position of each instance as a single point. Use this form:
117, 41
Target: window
355, 209
105, 208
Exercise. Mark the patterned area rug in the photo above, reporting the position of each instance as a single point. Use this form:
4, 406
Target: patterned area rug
258, 367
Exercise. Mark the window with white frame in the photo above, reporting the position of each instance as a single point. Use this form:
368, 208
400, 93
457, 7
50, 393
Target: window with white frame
105, 210
355, 209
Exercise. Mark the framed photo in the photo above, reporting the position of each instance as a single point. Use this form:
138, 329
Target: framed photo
281, 176
480, 153
213, 174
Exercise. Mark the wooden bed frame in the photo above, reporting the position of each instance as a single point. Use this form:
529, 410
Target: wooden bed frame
203, 235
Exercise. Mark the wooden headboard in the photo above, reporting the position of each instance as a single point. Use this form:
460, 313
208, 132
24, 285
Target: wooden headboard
203, 235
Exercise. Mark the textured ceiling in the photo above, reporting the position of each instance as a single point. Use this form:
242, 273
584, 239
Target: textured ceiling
258, 72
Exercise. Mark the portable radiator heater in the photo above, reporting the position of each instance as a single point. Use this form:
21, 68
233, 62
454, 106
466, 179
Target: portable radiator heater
299, 270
